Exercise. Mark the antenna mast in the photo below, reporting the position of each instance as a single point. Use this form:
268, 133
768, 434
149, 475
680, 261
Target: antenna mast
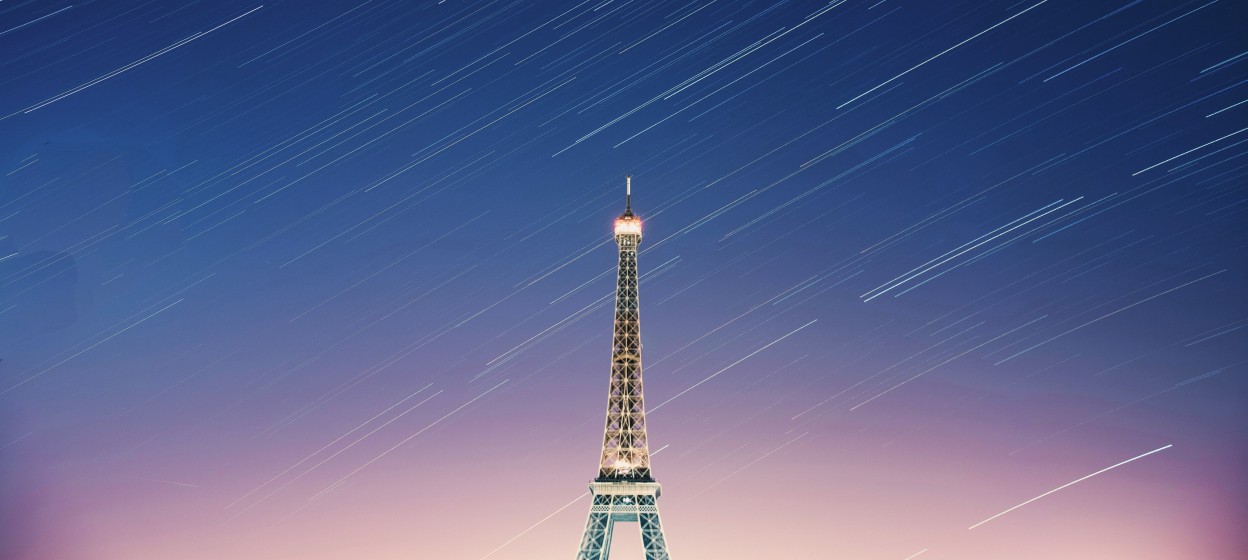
628, 193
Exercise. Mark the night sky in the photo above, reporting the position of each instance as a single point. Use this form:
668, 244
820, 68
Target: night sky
319, 280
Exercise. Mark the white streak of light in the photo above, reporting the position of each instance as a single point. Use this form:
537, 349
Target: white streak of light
1189, 151
401, 443
328, 445
127, 67
1071, 484
726, 368
965, 41
36, 20
80, 352
534, 526
1110, 314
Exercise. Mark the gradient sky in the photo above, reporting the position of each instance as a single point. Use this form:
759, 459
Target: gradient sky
320, 280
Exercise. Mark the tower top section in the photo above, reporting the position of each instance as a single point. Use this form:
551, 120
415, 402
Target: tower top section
628, 224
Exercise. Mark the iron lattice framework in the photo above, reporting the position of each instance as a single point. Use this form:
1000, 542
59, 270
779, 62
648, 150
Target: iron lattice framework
624, 489
625, 455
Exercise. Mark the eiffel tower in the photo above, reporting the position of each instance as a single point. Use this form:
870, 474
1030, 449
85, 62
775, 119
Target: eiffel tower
625, 489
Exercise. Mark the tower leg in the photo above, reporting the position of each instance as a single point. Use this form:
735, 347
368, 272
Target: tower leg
651, 530
596, 544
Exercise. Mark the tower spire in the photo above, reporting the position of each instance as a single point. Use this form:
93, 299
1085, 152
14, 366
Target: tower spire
628, 194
